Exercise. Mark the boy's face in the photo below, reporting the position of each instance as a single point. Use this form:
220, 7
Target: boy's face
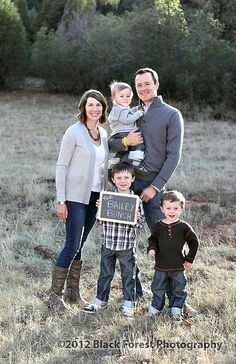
123, 97
171, 210
123, 181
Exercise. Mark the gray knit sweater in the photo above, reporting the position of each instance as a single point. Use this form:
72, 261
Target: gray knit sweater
75, 165
122, 119
162, 131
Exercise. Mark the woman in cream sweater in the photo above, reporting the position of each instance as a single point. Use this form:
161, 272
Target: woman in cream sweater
82, 158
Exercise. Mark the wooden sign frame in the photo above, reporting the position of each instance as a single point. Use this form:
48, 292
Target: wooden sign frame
113, 206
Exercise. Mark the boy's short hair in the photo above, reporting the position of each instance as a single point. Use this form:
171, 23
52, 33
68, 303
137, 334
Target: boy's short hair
173, 196
121, 167
119, 86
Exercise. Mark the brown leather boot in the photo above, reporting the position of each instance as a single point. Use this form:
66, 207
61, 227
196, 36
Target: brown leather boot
55, 299
72, 292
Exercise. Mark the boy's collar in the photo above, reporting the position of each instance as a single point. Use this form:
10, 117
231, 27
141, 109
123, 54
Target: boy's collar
131, 192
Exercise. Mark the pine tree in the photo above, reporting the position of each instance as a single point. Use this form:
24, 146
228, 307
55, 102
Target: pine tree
24, 13
13, 45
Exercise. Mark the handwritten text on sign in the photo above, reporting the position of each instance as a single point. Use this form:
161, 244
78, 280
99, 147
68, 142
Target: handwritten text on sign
118, 207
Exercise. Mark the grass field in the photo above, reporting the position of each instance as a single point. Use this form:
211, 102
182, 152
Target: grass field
32, 125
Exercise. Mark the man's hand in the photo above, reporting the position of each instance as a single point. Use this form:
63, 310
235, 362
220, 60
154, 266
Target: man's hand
62, 212
151, 253
134, 138
148, 194
187, 265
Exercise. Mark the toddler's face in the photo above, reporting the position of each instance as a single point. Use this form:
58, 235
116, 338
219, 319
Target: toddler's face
123, 97
172, 210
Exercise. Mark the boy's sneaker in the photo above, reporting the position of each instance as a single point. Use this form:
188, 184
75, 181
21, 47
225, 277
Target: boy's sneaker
92, 308
128, 311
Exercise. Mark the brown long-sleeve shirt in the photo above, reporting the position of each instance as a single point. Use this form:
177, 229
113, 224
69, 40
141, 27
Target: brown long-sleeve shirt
168, 241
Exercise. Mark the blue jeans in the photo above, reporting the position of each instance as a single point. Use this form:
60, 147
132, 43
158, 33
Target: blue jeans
151, 208
80, 220
127, 260
162, 281
152, 214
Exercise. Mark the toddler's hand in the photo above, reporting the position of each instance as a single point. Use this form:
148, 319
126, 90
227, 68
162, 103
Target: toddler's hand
141, 112
187, 265
151, 253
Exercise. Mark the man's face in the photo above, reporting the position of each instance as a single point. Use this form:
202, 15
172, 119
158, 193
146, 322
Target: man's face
145, 87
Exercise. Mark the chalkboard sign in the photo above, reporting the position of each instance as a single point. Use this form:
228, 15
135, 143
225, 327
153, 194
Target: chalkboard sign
118, 207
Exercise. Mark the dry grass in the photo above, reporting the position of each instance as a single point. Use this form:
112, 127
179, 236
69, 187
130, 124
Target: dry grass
31, 129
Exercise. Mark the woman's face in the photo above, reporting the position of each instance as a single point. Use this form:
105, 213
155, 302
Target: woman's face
93, 109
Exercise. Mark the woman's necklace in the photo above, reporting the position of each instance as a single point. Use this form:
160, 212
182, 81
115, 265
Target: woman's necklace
90, 133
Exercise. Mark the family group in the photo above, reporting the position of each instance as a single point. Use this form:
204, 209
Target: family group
147, 141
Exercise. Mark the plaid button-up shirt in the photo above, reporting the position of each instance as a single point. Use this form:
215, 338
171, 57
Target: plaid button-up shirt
119, 236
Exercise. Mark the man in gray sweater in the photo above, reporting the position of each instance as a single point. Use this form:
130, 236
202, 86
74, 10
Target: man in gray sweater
161, 130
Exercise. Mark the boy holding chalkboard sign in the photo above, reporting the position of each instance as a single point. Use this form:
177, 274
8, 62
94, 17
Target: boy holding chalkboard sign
118, 243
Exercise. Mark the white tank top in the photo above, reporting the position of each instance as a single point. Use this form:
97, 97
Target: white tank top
99, 160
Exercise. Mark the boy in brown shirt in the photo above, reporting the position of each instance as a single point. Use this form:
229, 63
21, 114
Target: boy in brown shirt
167, 245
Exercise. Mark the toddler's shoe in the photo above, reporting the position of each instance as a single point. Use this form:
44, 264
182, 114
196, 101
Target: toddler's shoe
128, 311
141, 169
152, 311
113, 161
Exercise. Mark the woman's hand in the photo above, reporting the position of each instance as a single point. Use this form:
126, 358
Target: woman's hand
151, 253
148, 194
134, 138
62, 212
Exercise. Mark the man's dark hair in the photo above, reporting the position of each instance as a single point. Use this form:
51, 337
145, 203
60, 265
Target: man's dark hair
154, 74
121, 167
173, 196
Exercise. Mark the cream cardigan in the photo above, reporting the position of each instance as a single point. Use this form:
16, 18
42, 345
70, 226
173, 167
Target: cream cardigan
75, 165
